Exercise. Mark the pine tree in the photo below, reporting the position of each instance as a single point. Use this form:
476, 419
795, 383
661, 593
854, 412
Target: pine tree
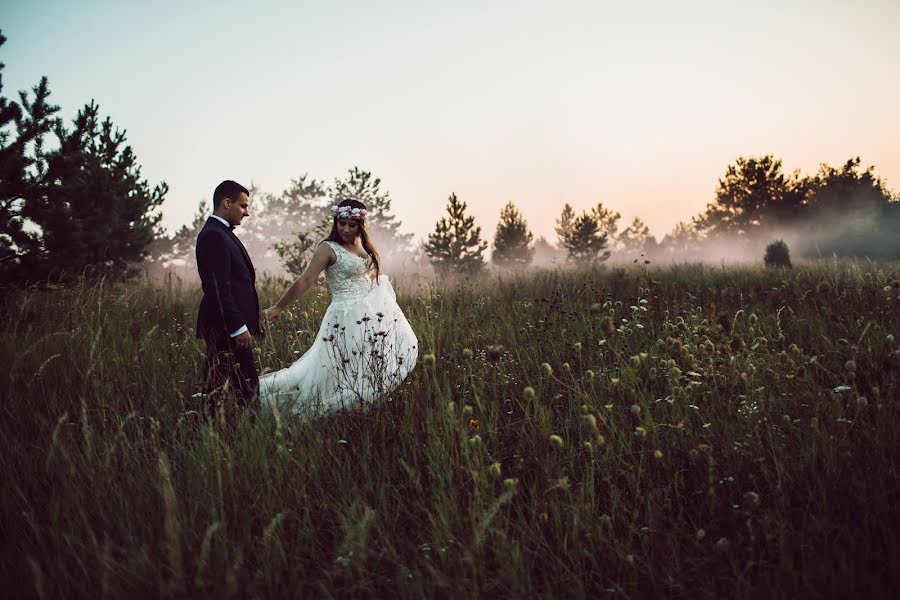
93, 209
456, 245
636, 239
22, 131
564, 224
584, 237
381, 222
512, 240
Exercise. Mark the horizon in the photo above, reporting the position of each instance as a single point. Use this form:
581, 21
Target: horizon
639, 109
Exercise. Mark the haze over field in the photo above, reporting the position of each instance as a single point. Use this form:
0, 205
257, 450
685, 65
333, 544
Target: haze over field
640, 107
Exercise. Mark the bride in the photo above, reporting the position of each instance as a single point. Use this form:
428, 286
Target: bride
365, 346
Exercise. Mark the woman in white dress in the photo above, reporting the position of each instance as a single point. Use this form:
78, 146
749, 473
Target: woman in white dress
365, 346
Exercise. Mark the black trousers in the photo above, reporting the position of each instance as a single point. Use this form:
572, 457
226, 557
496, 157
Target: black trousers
230, 377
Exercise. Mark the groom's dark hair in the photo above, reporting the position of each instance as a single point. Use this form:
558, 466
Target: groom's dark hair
228, 189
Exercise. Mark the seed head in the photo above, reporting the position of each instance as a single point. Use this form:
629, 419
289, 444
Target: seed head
723, 545
467, 353
493, 354
657, 454
587, 446
751, 500
600, 440
607, 326
605, 521
556, 441
640, 432
566, 367
547, 369
589, 375
786, 419
495, 470
850, 366
511, 482
889, 338
862, 402
467, 410
428, 360
635, 410
577, 346
589, 423
529, 393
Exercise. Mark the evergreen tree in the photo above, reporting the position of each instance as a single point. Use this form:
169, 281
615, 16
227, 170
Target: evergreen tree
380, 221
564, 224
456, 245
586, 236
512, 240
607, 220
754, 193
93, 208
636, 239
22, 131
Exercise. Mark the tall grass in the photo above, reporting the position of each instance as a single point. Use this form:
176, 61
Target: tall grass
694, 431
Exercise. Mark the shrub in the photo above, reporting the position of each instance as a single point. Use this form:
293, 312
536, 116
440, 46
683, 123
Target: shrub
778, 255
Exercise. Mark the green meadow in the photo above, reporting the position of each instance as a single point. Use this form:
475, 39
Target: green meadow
683, 431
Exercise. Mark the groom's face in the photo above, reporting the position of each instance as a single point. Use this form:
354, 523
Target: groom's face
236, 209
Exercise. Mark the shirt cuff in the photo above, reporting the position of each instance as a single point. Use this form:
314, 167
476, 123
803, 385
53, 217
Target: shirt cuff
239, 331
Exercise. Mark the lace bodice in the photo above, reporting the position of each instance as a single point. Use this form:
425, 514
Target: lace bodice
347, 277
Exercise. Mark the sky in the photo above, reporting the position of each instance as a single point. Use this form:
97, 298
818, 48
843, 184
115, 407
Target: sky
640, 106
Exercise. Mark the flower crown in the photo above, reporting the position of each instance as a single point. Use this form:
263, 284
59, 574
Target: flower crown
345, 212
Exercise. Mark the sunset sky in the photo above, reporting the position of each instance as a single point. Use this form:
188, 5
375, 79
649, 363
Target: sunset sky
637, 105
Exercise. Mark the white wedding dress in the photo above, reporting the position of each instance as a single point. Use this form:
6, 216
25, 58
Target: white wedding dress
364, 349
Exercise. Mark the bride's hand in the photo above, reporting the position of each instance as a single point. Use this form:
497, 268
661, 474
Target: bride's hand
270, 314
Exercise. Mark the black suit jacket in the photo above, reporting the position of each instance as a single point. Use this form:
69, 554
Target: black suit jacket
229, 283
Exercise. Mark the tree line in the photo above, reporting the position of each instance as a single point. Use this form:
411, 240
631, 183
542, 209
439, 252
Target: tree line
73, 202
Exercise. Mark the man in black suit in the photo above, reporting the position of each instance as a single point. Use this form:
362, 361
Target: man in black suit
229, 310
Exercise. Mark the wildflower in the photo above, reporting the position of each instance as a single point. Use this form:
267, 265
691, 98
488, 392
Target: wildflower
753, 319
723, 545
475, 441
589, 423
566, 367
428, 360
657, 454
474, 425
494, 353
887, 289
467, 410
528, 392
889, 338
589, 375
701, 533
577, 346
547, 369
600, 440
556, 441
635, 410
786, 419
751, 500
495, 470
587, 446
467, 353
640, 432
608, 406
614, 380
629, 558
635, 361
511, 482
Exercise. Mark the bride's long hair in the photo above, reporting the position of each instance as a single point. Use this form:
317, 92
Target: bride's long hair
367, 244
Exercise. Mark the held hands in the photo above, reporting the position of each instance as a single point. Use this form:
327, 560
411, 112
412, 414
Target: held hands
244, 341
270, 314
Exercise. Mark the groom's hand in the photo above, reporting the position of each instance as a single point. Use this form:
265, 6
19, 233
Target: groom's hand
244, 341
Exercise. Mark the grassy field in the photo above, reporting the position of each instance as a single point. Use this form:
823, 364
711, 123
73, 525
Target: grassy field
687, 431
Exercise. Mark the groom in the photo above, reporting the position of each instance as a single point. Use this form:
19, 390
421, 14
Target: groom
229, 310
